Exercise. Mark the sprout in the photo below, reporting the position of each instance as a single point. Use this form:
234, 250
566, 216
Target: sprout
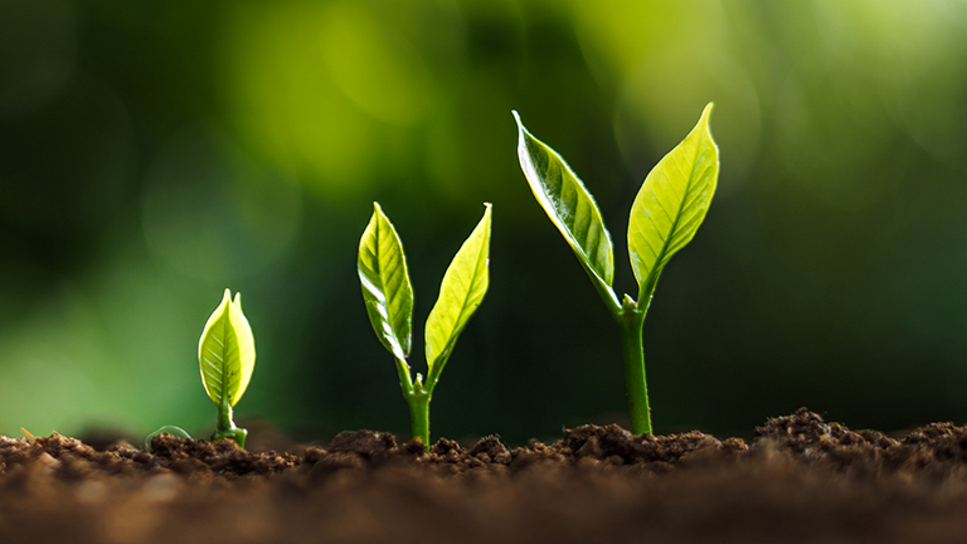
388, 295
670, 206
226, 355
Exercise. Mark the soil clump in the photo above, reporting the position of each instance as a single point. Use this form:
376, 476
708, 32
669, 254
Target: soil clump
800, 480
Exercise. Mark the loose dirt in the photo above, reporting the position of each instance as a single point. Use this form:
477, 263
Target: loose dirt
801, 480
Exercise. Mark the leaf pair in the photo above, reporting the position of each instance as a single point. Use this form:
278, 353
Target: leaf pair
226, 352
668, 210
670, 205
388, 293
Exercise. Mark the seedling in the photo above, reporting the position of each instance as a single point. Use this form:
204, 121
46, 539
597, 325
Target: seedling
670, 206
226, 354
388, 294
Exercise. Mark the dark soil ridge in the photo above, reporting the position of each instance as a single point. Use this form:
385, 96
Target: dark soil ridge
801, 480
938, 450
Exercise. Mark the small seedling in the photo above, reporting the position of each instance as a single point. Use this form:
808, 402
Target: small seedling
226, 354
670, 206
388, 294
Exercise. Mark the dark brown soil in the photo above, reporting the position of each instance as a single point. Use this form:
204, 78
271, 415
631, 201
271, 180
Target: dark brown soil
801, 480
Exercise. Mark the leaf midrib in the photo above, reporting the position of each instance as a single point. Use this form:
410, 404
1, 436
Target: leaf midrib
451, 338
226, 372
671, 232
222, 364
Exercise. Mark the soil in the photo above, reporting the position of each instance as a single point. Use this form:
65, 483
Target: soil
801, 480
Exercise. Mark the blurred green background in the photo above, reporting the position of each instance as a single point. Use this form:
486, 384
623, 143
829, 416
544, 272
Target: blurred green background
152, 154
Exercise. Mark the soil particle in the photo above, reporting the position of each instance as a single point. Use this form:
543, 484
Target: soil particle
800, 480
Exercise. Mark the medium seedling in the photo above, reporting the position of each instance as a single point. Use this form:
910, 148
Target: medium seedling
226, 355
670, 206
388, 294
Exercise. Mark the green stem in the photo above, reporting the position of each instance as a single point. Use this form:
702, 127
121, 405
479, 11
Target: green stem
631, 322
225, 428
417, 396
419, 402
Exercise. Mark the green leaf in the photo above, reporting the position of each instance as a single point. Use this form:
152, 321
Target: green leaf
226, 352
671, 204
569, 205
463, 288
386, 284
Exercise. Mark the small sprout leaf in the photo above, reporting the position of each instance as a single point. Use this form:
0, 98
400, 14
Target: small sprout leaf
569, 205
671, 204
461, 292
226, 352
386, 284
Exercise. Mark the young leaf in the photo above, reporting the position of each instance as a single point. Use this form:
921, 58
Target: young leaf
672, 203
569, 205
463, 288
386, 284
226, 352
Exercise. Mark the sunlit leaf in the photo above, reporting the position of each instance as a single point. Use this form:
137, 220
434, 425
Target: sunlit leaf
226, 352
568, 203
463, 288
386, 284
672, 203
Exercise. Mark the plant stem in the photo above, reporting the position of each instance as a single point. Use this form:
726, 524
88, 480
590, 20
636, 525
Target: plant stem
225, 428
419, 402
417, 397
631, 322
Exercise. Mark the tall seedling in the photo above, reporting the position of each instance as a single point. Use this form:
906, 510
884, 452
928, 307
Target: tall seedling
226, 355
388, 294
670, 206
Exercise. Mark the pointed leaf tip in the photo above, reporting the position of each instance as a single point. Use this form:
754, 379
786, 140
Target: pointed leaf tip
706, 118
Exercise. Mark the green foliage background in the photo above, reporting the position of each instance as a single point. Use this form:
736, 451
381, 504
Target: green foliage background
152, 154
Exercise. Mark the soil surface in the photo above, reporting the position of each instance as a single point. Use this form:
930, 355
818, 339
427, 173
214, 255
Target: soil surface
801, 480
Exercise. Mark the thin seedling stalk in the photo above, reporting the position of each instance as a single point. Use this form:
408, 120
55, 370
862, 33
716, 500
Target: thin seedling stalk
631, 322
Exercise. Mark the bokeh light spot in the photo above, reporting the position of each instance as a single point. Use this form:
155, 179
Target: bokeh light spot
285, 104
213, 215
324, 89
680, 57
38, 43
382, 75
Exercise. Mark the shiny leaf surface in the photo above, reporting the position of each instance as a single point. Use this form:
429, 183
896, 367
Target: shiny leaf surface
672, 203
461, 292
386, 284
226, 352
568, 203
